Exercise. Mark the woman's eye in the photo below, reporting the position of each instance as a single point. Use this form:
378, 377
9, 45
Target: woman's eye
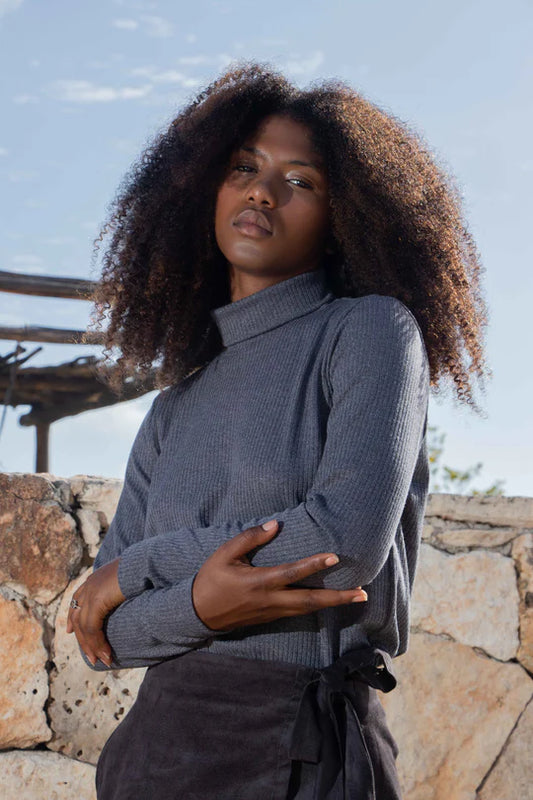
243, 168
300, 182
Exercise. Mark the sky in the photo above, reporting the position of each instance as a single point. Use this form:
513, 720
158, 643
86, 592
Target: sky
87, 85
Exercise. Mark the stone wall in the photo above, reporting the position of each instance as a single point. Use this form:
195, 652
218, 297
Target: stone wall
462, 713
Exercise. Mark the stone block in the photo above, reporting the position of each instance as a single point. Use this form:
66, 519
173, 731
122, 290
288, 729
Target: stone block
514, 511
474, 537
427, 532
91, 525
40, 548
451, 715
45, 776
523, 556
471, 597
98, 494
23, 677
86, 706
512, 775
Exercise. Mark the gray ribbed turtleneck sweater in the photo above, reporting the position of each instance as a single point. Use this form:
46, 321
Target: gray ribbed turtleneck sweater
314, 414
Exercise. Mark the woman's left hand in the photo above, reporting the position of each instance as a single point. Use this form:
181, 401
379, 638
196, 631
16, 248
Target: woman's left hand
94, 600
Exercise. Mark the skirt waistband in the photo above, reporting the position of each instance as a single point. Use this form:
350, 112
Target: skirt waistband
327, 728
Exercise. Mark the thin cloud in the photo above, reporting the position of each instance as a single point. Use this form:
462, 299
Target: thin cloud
125, 24
100, 64
7, 6
4, 151
267, 42
222, 7
304, 65
157, 26
194, 61
58, 240
148, 24
24, 99
166, 76
27, 262
12, 319
136, 5
22, 175
128, 146
86, 92
33, 202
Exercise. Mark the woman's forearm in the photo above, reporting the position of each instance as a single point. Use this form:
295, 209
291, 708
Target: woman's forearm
152, 626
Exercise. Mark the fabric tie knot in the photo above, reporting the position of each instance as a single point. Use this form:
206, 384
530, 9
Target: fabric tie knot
327, 728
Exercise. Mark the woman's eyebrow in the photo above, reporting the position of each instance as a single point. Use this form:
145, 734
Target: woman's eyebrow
296, 161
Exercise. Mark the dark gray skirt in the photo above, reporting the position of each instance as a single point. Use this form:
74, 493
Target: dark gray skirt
206, 727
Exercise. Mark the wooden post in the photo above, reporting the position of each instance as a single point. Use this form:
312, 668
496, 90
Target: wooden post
41, 461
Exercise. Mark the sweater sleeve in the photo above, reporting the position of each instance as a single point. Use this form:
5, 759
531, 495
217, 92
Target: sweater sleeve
378, 376
159, 622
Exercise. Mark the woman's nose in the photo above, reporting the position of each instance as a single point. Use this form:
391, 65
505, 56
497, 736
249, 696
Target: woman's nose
263, 191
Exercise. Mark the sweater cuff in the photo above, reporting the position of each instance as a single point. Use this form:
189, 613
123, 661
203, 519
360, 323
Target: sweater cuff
190, 623
132, 573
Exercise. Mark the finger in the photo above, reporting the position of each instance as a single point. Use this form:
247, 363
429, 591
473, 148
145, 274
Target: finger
291, 572
94, 646
72, 611
305, 601
70, 618
81, 642
248, 539
91, 637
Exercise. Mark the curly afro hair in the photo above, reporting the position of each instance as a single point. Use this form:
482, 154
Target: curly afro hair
397, 228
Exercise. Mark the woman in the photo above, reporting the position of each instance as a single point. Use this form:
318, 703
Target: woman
300, 265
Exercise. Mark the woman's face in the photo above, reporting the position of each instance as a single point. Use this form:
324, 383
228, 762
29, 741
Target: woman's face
272, 208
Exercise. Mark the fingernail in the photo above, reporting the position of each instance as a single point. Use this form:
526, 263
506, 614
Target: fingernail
267, 526
359, 598
331, 560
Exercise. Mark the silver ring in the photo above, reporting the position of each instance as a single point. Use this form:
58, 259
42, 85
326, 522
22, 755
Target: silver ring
74, 603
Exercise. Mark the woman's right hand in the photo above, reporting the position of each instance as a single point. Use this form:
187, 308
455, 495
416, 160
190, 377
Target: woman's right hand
228, 592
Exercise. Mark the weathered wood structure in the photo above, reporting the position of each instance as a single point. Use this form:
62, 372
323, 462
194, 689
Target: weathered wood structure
63, 390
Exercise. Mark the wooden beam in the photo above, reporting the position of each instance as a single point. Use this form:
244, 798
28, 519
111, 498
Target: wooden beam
35, 333
78, 404
42, 430
47, 285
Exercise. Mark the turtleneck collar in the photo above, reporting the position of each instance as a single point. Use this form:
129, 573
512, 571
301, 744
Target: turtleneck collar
270, 307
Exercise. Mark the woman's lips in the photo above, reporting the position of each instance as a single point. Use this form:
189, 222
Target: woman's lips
250, 229
253, 223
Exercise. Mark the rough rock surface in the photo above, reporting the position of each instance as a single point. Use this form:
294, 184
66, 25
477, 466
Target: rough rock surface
92, 527
474, 537
86, 706
45, 776
512, 775
514, 511
40, 547
472, 597
24, 680
523, 555
452, 711
98, 494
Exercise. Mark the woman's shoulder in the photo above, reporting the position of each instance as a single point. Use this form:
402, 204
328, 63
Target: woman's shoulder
371, 313
166, 403
378, 333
